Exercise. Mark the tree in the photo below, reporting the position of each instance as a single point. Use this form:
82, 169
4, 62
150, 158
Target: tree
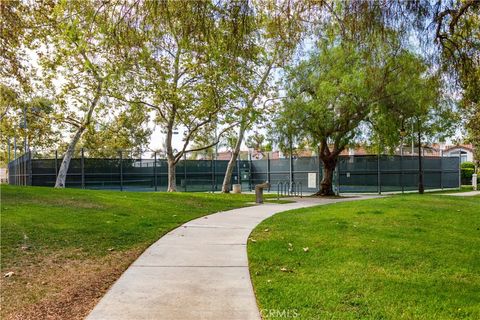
340, 87
30, 122
328, 98
125, 131
182, 66
256, 141
279, 28
14, 25
75, 44
456, 32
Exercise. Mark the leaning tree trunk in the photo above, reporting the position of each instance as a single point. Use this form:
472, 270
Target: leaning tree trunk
62, 173
326, 185
227, 180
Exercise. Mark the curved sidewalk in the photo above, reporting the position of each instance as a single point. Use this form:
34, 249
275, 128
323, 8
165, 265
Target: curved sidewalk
197, 271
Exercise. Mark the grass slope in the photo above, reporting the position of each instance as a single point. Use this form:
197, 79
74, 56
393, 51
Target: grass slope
402, 257
67, 246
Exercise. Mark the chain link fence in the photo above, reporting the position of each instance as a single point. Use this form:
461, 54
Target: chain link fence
127, 172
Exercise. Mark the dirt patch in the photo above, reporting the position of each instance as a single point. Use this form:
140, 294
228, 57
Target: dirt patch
60, 288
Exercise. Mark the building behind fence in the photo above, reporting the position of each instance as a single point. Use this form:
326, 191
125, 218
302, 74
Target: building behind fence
369, 173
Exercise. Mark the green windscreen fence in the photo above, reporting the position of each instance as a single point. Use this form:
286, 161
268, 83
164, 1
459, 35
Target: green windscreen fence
353, 174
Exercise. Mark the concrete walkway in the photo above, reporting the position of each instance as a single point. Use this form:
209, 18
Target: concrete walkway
464, 194
197, 271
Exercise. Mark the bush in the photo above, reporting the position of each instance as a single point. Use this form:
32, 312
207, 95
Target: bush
467, 165
467, 173
467, 169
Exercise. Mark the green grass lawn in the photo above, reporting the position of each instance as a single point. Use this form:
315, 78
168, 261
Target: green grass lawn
67, 246
401, 257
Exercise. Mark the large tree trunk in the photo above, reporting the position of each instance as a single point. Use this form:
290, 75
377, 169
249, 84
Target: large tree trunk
172, 179
62, 173
326, 185
227, 180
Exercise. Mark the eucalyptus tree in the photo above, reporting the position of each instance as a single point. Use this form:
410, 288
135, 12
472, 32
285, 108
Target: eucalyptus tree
182, 66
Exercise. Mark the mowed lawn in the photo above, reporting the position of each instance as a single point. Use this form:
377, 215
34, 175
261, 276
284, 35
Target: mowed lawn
66, 247
402, 257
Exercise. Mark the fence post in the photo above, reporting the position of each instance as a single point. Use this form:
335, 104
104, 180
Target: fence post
155, 170
185, 171
379, 179
238, 170
15, 171
30, 173
459, 170
319, 167
401, 172
212, 171
56, 164
268, 169
121, 170
337, 169
250, 171
24, 171
82, 164
291, 168
441, 169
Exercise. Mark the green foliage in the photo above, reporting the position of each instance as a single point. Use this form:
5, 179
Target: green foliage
467, 169
412, 257
413, 101
343, 85
256, 141
467, 173
126, 131
76, 45
457, 25
467, 165
38, 114
184, 57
